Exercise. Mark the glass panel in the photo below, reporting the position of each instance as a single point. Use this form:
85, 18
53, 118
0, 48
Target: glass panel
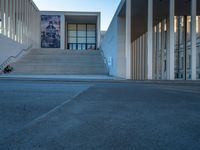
91, 40
91, 33
81, 40
82, 27
91, 27
179, 47
83, 46
71, 40
91, 46
72, 27
72, 33
188, 27
70, 46
82, 33
74, 46
79, 46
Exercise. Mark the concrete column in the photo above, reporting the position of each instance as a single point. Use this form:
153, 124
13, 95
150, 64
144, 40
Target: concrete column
6, 18
193, 38
150, 41
23, 28
11, 19
98, 31
19, 21
171, 42
135, 60
26, 23
140, 58
14, 23
2, 16
143, 57
162, 47
128, 40
62, 32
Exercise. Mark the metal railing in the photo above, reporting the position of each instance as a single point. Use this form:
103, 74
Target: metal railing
12, 59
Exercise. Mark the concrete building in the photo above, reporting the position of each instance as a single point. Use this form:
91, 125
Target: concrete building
77, 30
24, 29
146, 40
19, 26
154, 40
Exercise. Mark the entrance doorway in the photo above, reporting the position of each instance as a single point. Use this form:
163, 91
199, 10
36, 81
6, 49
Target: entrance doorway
81, 36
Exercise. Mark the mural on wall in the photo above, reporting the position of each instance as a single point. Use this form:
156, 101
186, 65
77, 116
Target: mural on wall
50, 31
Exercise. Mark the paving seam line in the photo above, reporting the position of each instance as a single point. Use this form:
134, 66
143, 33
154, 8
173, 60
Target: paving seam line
54, 109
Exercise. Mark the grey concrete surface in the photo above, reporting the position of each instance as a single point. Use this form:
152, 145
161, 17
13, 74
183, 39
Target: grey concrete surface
60, 62
99, 116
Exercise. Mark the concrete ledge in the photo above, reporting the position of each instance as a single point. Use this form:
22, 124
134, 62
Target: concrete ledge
59, 77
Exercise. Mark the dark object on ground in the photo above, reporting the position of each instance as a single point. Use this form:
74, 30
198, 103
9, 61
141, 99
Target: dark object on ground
8, 69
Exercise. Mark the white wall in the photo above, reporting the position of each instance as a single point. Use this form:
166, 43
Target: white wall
8, 48
109, 47
113, 44
121, 51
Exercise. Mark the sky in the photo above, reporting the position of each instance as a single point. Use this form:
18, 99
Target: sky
106, 7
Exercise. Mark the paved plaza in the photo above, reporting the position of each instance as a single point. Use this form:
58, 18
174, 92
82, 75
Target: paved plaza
107, 115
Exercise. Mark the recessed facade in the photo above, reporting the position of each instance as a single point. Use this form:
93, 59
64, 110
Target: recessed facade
70, 30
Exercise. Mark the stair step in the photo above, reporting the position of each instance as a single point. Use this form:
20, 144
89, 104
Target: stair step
63, 62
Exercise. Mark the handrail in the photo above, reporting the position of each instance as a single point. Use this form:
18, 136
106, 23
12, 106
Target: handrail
7, 61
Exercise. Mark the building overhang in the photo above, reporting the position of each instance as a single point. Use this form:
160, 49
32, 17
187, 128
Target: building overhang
160, 11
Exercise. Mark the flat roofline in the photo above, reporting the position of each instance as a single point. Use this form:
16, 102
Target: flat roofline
74, 12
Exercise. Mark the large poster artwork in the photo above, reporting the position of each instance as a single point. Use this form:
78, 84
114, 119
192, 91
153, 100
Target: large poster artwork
50, 31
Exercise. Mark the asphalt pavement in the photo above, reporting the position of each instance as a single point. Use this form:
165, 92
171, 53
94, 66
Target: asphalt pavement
126, 115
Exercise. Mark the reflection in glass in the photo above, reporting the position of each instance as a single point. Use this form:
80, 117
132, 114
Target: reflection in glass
82, 36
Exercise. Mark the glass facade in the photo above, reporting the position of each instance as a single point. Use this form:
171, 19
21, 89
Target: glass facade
183, 51
81, 36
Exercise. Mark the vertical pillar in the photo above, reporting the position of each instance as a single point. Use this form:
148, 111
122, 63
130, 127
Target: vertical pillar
16, 21
98, 30
6, 19
2, 16
21, 25
128, 40
171, 42
11, 20
140, 58
193, 38
150, 41
20, 21
62, 32
143, 57
135, 60
162, 47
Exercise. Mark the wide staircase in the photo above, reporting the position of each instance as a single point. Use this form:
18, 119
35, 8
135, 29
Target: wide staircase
61, 62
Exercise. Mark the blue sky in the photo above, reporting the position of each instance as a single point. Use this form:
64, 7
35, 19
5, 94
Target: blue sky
106, 7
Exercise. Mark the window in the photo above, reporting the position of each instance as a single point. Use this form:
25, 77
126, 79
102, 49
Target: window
198, 60
81, 35
182, 61
165, 65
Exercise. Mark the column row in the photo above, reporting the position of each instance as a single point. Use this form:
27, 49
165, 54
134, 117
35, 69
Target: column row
170, 49
19, 20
